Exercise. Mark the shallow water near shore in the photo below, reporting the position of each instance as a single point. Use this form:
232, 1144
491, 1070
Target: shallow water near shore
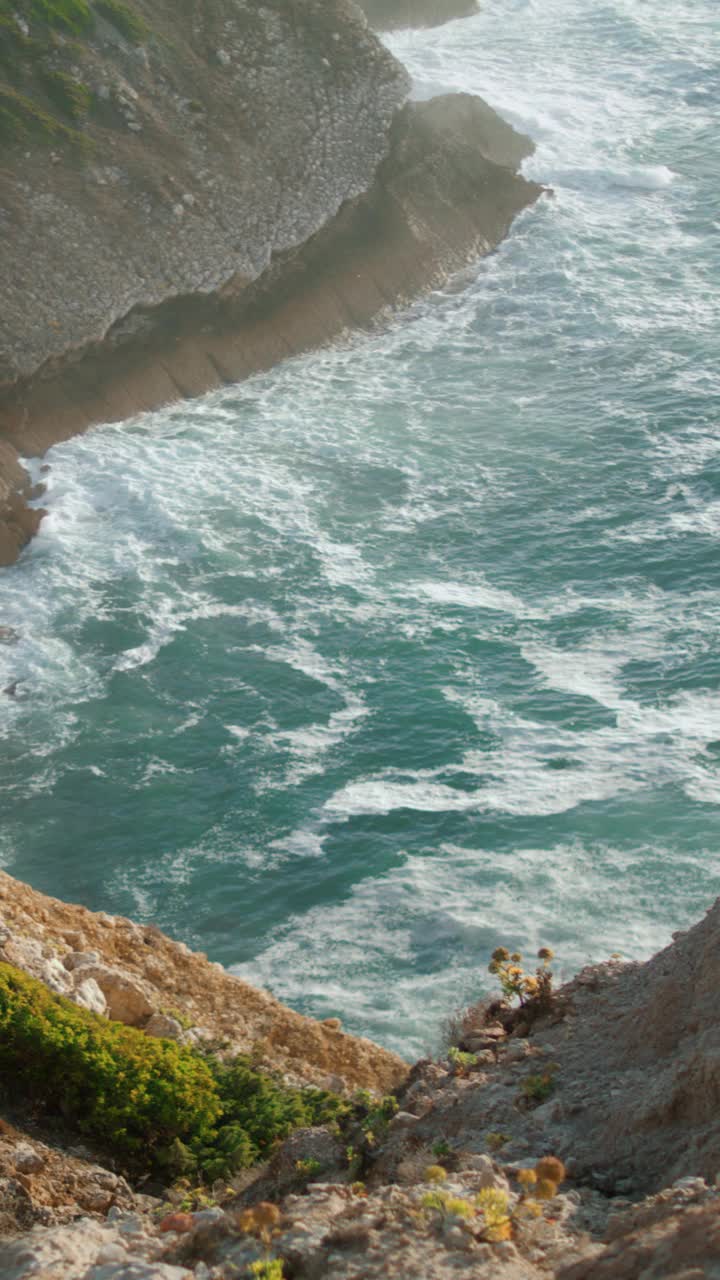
410, 647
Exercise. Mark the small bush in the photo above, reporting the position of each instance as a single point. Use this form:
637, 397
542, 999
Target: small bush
462, 1062
537, 1088
63, 15
495, 1141
67, 93
124, 19
22, 119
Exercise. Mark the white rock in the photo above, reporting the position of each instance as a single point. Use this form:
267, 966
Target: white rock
55, 976
89, 996
126, 999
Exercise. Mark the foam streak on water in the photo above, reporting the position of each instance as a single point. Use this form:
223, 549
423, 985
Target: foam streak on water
410, 647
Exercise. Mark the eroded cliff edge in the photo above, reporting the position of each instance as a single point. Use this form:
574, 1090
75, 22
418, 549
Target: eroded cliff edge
384, 15
237, 184
611, 1085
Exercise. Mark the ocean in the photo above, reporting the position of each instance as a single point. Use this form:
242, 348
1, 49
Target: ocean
409, 648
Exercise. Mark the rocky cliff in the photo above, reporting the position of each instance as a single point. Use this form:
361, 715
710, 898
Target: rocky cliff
140, 977
578, 1139
190, 193
386, 14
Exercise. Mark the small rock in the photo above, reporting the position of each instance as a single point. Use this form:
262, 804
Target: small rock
178, 1222
208, 1217
27, 1160
76, 959
403, 1120
164, 1027
111, 1253
89, 996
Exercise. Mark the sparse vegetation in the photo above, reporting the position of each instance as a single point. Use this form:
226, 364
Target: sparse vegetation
537, 1088
496, 1140
539, 1183
262, 1221
68, 94
124, 19
41, 44
492, 1204
441, 1149
519, 985
462, 1062
22, 119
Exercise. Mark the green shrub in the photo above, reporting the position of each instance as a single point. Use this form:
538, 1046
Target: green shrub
130, 1092
21, 118
63, 15
156, 1105
124, 19
537, 1088
67, 93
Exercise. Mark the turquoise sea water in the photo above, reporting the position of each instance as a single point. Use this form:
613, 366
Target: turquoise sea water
410, 647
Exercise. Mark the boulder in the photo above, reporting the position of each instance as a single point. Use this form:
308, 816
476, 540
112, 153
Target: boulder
126, 999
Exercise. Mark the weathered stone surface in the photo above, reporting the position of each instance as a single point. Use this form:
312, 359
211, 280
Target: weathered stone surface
142, 972
446, 194
45, 1185
239, 158
236, 209
28, 1160
127, 1000
386, 14
165, 1027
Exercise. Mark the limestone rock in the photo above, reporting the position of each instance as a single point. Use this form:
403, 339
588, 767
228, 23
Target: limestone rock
165, 1027
386, 14
141, 971
127, 1000
90, 996
28, 1160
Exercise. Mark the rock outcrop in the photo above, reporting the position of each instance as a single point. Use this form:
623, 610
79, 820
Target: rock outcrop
618, 1077
139, 976
387, 14
248, 185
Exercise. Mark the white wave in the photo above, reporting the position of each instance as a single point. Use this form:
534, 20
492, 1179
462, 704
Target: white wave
643, 178
406, 949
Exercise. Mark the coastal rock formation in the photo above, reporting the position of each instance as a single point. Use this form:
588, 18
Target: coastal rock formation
138, 974
387, 14
18, 521
617, 1078
248, 186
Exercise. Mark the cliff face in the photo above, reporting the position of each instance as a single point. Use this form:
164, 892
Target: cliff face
456, 1181
243, 184
144, 979
387, 14
231, 133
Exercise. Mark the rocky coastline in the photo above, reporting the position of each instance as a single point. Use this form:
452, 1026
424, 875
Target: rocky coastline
242, 189
385, 15
575, 1138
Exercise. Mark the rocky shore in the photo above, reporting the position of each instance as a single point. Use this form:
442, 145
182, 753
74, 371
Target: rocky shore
387, 14
237, 188
578, 1139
